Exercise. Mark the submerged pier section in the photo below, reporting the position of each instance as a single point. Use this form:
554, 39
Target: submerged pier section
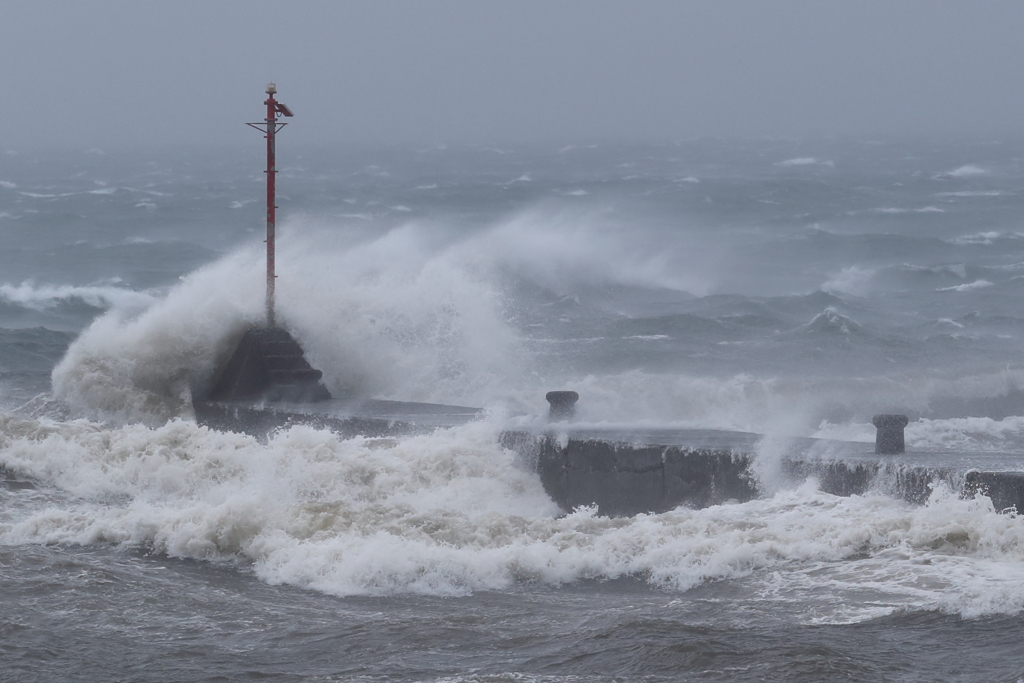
627, 472
624, 473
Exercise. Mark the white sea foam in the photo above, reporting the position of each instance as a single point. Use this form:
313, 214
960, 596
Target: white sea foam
960, 434
831, 320
846, 431
45, 297
967, 171
850, 280
389, 317
979, 238
804, 161
141, 368
789, 407
418, 312
966, 287
898, 210
967, 433
413, 313
452, 512
987, 237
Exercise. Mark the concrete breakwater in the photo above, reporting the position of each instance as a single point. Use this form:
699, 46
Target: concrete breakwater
632, 471
627, 474
370, 418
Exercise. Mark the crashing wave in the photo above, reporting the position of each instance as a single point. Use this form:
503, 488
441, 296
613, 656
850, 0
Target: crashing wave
831, 321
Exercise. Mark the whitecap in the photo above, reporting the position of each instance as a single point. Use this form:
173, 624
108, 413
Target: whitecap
831, 321
452, 512
970, 193
804, 161
45, 297
851, 280
967, 171
977, 284
978, 238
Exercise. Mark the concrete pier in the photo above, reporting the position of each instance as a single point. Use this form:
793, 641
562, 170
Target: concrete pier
347, 418
633, 471
624, 473
626, 479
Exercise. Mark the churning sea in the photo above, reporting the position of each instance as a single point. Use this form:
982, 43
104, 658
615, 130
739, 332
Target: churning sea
778, 287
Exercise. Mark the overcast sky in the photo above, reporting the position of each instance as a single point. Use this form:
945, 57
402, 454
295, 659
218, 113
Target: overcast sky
98, 73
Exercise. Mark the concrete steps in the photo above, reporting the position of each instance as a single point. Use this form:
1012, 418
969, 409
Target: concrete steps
268, 365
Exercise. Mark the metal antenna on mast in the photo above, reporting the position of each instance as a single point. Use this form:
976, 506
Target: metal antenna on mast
269, 128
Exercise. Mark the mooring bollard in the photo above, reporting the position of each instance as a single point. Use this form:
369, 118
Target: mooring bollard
889, 437
563, 404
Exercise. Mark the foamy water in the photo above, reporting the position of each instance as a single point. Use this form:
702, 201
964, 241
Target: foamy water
784, 289
452, 512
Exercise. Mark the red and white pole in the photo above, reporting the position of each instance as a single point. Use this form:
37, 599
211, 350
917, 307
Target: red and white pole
269, 127
271, 190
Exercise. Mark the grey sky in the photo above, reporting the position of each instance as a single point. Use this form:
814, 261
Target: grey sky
95, 73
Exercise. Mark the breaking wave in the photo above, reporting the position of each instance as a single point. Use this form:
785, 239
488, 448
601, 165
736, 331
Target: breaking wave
46, 297
452, 512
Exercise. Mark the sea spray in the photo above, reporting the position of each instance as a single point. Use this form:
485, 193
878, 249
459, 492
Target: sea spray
498, 313
418, 327
98, 296
408, 315
452, 512
144, 368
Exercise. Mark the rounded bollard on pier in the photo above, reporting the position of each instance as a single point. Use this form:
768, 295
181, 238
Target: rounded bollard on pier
889, 437
563, 404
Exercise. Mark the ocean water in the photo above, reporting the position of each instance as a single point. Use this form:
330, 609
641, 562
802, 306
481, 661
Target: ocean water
778, 287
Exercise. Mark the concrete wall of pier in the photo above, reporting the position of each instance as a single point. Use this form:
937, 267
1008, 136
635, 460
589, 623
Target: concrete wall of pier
629, 479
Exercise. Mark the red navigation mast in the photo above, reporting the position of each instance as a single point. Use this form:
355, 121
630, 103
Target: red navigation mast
269, 128
268, 364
